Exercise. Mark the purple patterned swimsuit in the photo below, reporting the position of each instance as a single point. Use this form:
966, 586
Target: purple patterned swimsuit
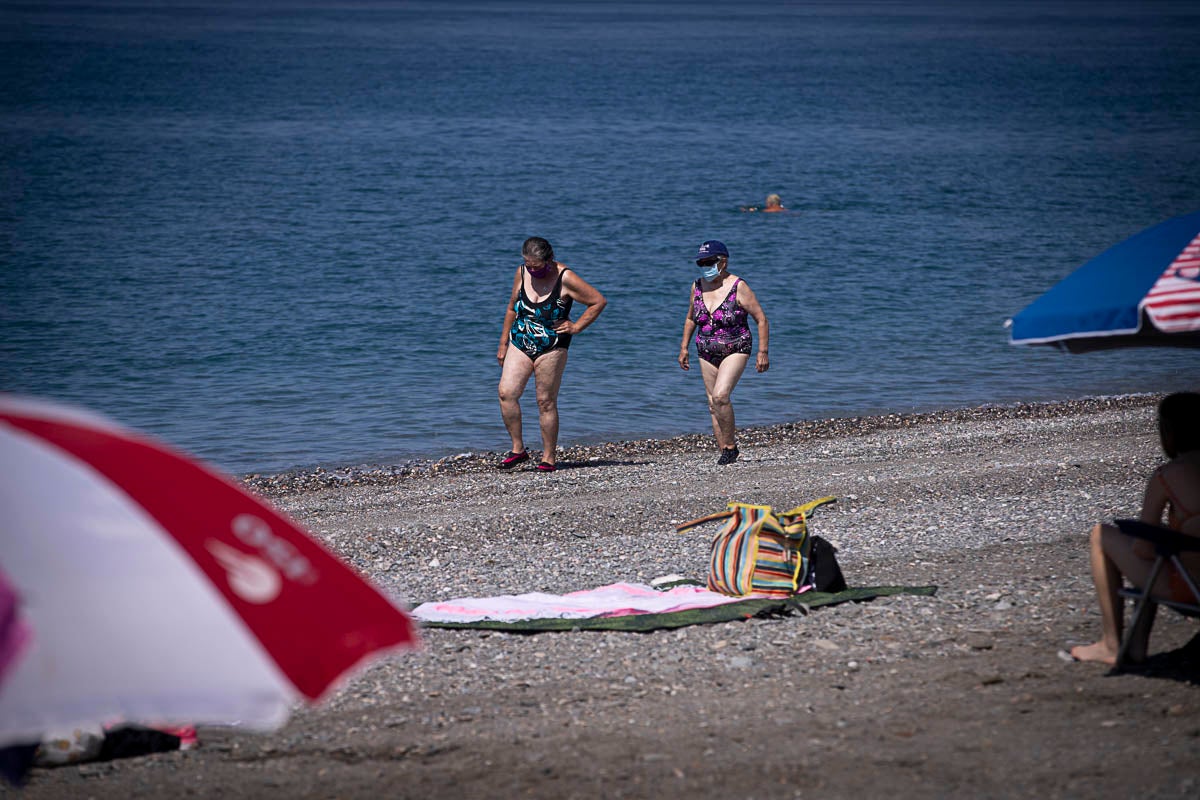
722, 332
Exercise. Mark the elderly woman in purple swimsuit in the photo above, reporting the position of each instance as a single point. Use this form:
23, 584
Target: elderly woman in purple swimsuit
717, 309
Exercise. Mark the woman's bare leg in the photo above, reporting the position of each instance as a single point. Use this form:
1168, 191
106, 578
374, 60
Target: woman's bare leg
718, 384
1113, 555
513, 378
547, 376
1107, 580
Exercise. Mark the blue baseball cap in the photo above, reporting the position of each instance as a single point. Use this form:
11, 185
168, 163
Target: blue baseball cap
712, 248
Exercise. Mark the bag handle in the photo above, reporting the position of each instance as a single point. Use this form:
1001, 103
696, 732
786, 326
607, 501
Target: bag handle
702, 520
800, 527
732, 509
795, 528
810, 506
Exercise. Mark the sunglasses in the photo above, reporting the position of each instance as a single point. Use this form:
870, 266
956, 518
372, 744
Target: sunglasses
708, 262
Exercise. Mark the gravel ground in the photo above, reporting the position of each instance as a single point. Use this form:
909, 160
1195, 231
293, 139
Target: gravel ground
960, 693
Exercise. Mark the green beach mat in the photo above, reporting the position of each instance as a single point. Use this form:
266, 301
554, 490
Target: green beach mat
741, 610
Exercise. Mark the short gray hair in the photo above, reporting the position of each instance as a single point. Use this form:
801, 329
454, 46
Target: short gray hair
536, 247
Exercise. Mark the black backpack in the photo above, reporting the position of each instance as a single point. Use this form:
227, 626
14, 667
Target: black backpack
823, 571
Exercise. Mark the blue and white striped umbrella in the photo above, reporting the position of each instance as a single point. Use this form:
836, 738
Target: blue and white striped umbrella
1143, 291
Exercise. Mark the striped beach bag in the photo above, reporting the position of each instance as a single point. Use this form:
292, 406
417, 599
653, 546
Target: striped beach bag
758, 551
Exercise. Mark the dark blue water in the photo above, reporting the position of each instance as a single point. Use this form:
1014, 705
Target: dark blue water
280, 234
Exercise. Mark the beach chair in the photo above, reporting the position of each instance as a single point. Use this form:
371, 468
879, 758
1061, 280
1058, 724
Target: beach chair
1168, 545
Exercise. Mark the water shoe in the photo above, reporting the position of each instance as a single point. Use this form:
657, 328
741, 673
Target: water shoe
511, 459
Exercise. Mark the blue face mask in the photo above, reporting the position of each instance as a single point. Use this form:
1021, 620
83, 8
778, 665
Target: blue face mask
708, 273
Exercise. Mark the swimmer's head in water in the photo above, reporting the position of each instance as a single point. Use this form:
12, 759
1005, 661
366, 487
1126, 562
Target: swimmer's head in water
774, 200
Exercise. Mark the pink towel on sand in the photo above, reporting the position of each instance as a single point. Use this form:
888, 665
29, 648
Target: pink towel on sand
618, 599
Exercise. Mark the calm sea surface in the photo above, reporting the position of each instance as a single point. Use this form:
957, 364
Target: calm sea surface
283, 234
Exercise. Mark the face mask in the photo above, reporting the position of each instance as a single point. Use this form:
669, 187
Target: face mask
538, 273
708, 273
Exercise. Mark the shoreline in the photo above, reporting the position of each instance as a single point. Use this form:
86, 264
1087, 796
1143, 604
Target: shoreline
322, 477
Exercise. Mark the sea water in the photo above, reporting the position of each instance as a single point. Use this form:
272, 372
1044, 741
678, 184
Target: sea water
283, 234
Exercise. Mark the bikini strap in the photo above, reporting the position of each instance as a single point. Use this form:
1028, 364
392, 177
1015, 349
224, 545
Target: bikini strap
1177, 507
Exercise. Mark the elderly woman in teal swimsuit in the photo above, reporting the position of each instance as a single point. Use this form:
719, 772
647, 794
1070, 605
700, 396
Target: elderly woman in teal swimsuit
534, 340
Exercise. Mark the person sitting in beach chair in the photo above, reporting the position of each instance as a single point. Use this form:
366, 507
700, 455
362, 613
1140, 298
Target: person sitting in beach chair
1173, 564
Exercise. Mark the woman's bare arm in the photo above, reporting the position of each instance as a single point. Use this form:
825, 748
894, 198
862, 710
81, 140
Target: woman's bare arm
747, 300
689, 327
581, 291
509, 316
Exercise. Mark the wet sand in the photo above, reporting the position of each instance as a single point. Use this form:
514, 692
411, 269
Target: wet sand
957, 694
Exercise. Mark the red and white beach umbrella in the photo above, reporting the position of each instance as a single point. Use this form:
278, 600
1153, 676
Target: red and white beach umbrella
156, 590
14, 633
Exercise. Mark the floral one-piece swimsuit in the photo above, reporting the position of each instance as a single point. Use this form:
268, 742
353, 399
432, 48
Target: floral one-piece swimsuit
723, 331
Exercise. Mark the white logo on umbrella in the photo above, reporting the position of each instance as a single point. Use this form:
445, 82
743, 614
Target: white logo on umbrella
256, 533
250, 578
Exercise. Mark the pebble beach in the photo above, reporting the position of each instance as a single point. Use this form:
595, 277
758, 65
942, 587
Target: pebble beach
959, 693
